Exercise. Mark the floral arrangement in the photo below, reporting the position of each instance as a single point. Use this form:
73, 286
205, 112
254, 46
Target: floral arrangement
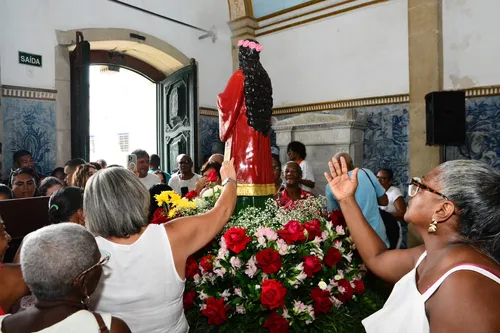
286, 267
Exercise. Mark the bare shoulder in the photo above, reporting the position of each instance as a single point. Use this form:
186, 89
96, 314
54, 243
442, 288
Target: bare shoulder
466, 301
119, 326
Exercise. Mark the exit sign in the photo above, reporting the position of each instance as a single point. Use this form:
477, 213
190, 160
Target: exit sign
30, 59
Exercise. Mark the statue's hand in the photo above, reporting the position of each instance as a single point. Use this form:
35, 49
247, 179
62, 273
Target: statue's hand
227, 170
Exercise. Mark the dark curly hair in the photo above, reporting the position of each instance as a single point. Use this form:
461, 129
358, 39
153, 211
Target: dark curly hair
258, 89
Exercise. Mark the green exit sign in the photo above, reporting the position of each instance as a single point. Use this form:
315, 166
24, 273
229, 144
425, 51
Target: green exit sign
30, 59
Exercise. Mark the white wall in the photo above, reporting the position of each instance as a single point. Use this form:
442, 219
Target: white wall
361, 53
29, 26
471, 43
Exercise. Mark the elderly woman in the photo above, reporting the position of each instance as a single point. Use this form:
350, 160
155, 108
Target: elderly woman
292, 191
61, 265
451, 283
82, 175
143, 282
12, 286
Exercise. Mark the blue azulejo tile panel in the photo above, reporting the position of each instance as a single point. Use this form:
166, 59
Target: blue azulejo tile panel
209, 135
386, 142
483, 132
30, 125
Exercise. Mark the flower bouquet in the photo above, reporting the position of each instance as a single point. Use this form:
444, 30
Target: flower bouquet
282, 269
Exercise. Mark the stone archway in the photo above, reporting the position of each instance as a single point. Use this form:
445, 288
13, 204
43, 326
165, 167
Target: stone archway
149, 49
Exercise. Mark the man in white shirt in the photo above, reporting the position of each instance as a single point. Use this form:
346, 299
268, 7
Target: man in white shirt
148, 179
185, 180
297, 153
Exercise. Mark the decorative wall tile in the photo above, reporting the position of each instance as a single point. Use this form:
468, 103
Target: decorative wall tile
483, 132
29, 124
386, 139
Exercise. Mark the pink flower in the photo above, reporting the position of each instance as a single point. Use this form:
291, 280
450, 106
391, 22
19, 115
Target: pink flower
240, 309
282, 247
235, 262
252, 45
240, 42
251, 267
246, 43
258, 48
340, 230
237, 292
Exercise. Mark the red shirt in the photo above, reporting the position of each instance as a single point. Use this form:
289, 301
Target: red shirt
285, 201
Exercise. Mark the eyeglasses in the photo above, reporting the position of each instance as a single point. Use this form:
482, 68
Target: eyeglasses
103, 261
415, 186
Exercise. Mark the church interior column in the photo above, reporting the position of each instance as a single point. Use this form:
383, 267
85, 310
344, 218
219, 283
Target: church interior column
242, 24
426, 75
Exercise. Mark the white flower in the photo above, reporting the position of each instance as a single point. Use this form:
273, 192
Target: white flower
237, 292
240, 309
235, 262
285, 313
251, 267
302, 276
226, 294
257, 286
203, 296
217, 189
262, 241
322, 285
336, 302
348, 256
203, 306
196, 278
220, 272
329, 225
317, 240
324, 236
340, 230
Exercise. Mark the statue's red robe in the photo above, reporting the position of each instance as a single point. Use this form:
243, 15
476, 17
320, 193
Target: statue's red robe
250, 149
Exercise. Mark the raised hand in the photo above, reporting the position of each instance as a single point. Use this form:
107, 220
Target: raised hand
340, 183
227, 170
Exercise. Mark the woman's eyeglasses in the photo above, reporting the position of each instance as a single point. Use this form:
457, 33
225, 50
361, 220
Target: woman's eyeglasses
103, 261
415, 186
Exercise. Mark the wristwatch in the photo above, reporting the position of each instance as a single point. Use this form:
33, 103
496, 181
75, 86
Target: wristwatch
229, 180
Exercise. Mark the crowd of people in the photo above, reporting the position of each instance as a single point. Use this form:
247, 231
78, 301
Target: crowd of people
86, 269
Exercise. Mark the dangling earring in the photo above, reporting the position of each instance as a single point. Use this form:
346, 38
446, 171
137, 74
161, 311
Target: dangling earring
86, 298
432, 227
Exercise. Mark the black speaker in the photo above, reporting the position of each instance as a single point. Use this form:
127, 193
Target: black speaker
445, 118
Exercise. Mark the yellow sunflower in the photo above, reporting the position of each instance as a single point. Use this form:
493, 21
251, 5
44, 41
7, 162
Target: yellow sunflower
166, 197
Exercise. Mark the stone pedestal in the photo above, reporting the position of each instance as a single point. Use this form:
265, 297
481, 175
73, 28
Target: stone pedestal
324, 135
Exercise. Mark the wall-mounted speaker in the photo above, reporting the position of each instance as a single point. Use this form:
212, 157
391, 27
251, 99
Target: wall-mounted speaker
445, 118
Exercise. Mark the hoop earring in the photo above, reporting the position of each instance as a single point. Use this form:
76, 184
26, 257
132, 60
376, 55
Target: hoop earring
432, 227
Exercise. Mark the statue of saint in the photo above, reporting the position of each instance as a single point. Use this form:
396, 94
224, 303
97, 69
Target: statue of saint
245, 110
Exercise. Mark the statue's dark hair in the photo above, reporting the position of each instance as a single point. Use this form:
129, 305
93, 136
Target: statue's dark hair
258, 89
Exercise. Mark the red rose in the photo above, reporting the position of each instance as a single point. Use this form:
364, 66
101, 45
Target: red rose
212, 176
159, 217
236, 239
273, 294
332, 257
322, 302
191, 267
292, 232
337, 218
188, 299
359, 287
191, 195
269, 261
207, 263
276, 323
313, 229
215, 311
348, 290
312, 265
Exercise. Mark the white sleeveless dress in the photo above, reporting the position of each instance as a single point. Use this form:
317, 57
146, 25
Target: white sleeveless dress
82, 321
404, 311
140, 284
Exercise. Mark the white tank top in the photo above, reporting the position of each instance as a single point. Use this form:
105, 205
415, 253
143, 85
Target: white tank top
79, 322
404, 311
140, 284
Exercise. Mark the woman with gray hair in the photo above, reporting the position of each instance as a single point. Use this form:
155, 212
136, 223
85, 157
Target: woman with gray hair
61, 265
143, 282
451, 283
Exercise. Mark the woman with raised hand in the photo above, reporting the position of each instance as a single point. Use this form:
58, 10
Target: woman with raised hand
451, 283
143, 283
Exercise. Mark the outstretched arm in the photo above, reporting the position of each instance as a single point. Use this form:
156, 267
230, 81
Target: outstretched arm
189, 234
388, 265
